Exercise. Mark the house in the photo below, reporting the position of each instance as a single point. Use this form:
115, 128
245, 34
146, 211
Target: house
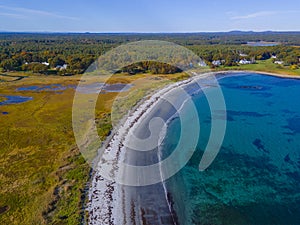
274, 57
244, 61
46, 63
202, 63
278, 62
217, 62
243, 55
63, 67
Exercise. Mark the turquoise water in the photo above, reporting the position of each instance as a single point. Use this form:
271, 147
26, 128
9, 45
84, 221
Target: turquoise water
255, 179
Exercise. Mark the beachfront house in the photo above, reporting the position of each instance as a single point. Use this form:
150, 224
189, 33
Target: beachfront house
278, 62
217, 62
202, 63
244, 61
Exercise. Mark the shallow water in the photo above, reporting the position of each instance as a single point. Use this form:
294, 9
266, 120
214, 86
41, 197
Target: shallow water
88, 88
262, 43
38, 88
255, 178
13, 99
102, 88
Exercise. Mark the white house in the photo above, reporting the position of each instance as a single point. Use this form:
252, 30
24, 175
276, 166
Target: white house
45, 63
244, 61
202, 63
63, 67
243, 55
217, 62
278, 62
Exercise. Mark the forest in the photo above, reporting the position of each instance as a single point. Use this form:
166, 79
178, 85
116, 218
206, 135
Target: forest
71, 53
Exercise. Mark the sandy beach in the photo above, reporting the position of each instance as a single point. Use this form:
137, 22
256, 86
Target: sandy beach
113, 203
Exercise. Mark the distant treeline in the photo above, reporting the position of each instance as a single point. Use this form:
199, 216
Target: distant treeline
73, 53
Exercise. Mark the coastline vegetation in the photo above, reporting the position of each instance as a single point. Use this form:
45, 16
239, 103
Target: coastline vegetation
43, 176
265, 66
69, 54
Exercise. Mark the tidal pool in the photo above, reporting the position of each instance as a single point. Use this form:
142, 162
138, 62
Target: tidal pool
87, 88
14, 99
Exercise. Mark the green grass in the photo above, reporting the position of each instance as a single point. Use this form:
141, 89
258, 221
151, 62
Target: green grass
265, 66
43, 176
2, 99
39, 158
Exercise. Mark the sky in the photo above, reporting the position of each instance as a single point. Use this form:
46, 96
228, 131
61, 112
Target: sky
149, 15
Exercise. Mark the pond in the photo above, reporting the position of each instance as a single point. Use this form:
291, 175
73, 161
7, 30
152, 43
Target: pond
13, 99
87, 88
262, 43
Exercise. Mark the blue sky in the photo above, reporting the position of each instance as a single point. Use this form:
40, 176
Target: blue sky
149, 16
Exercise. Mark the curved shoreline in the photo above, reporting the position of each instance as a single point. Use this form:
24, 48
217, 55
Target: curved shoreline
105, 197
261, 73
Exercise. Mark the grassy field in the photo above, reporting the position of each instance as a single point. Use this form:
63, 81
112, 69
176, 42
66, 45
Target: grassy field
43, 176
40, 164
264, 66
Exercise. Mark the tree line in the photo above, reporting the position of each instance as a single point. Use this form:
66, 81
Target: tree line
48, 53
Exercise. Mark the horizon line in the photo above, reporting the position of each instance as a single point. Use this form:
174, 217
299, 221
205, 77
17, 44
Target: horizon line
154, 32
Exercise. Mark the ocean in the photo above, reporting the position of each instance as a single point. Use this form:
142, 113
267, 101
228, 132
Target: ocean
255, 178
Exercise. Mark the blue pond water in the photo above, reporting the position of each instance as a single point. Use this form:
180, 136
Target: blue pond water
260, 43
88, 88
51, 87
255, 179
102, 88
13, 99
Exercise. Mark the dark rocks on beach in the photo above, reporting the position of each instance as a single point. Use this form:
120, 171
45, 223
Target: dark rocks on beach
99, 178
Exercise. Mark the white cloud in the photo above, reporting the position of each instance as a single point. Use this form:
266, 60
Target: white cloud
13, 15
255, 15
264, 13
33, 11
